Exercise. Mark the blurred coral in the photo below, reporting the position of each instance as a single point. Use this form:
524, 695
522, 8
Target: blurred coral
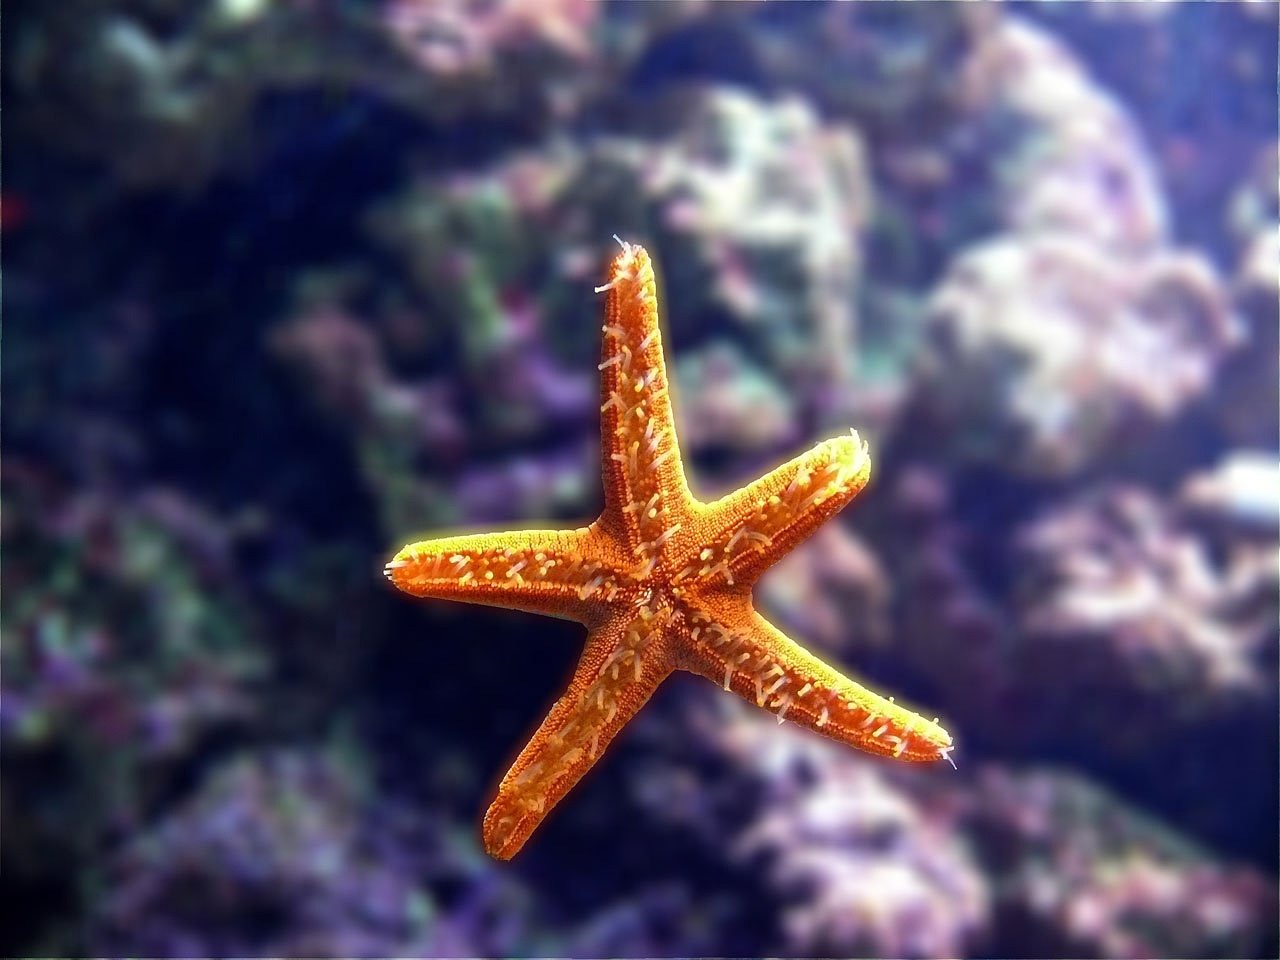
727, 402
766, 203
1069, 159
1112, 579
833, 591
165, 92
877, 877
470, 37
1115, 347
286, 853
1077, 873
1244, 403
121, 659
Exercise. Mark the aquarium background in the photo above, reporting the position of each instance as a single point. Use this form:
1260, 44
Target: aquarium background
288, 284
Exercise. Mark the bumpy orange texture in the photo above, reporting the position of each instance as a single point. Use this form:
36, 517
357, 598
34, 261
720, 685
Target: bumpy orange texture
661, 580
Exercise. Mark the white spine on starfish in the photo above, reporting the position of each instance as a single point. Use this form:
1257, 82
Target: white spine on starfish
766, 682
498, 570
824, 473
632, 373
581, 733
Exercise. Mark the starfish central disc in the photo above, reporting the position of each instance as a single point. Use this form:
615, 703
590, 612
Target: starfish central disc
661, 580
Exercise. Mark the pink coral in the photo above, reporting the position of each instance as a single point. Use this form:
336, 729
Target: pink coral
1046, 352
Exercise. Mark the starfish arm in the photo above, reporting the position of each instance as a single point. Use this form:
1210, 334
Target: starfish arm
746, 532
644, 483
741, 651
621, 666
554, 572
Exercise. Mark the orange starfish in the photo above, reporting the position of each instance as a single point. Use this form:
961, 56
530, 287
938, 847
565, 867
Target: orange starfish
662, 581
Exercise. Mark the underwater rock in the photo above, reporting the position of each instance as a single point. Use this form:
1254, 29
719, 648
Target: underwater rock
862, 870
1112, 585
167, 94
831, 590
727, 403
849, 863
1075, 872
284, 853
1068, 159
1044, 353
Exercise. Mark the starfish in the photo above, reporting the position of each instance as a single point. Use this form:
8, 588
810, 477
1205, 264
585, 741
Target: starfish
661, 580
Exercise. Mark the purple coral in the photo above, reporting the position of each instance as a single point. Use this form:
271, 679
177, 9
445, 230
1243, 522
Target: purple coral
1046, 353
1079, 874
863, 869
1115, 580
284, 853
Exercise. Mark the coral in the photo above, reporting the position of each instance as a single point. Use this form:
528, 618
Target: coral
466, 40
400, 426
1045, 353
833, 590
1068, 158
762, 204
1158, 613
167, 94
339, 363
1255, 208
1237, 496
850, 862
122, 657
873, 65
941, 589
1248, 384
877, 877
658, 920
284, 853
728, 403
1113, 580
759, 255
147, 656
1077, 873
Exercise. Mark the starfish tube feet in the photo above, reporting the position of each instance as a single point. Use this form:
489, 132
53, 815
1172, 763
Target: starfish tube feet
764, 521
661, 580
620, 668
763, 666
639, 454
539, 571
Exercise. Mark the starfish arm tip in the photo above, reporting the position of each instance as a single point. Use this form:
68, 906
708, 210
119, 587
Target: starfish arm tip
499, 844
